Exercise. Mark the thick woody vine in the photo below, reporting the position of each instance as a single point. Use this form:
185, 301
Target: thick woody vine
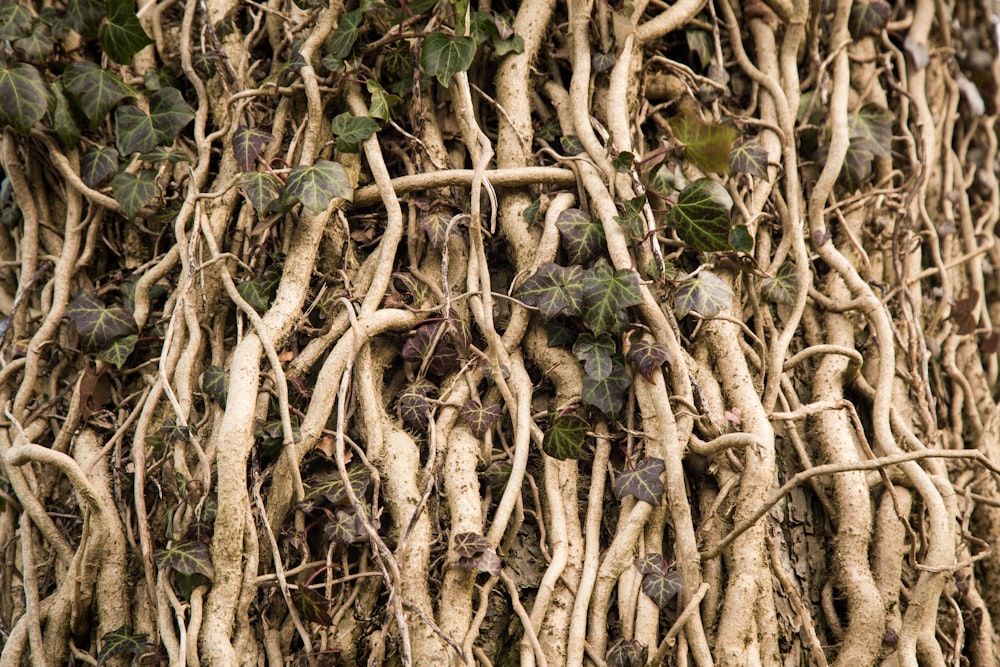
542, 333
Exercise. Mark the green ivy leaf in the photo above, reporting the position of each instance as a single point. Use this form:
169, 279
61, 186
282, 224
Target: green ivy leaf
581, 236
475, 554
36, 46
15, 21
122, 36
134, 192
749, 157
871, 129
740, 239
664, 182
438, 225
97, 324
443, 56
602, 62
382, 101
704, 293
623, 162
260, 189
648, 357
572, 145
644, 482
95, 90
346, 527
120, 642
161, 154
84, 16
63, 120
311, 604
701, 216
564, 439
497, 474
134, 131
330, 487
554, 290
783, 287
351, 130
169, 113
316, 186
628, 652
248, 144
706, 145
607, 294
215, 383
868, 17
479, 417
699, 43
858, 165
342, 40
97, 165
514, 44
634, 221
23, 97
118, 351
259, 292
658, 583
607, 394
414, 404
595, 352
187, 557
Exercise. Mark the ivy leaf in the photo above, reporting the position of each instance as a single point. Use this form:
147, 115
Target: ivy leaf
607, 394
346, 527
648, 357
37, 45
602, 62
414, 404
607, 294
122, 36
95, 90
706, 145
595, 353
558, 334
169, 113
259, 188
740, 239
352, 130
15, 22
468, 545
701, 216
98, 324
644, 482
475, 554
571, 145
436, 224
868, 17
316, 186
84, 16
187, 557
428, 340
634, 220
118, 351
858, 164
382, 101
514, 44
658, 583
161, 154
623, 162
259, 292
704, 293
699, 43
554, 290
215, 383
122, 641
134, 192
97, 165
442, 56
664, 181
23, 97
342, 40
564, 439
749, 157
582, 236
248, 144
628, 652
480, 417
871, 129
311, 605
330, 487
134, 131
63, 120
497, 474
783, 287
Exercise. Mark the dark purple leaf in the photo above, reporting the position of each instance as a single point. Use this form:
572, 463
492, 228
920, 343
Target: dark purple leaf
644, 482
480, 417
